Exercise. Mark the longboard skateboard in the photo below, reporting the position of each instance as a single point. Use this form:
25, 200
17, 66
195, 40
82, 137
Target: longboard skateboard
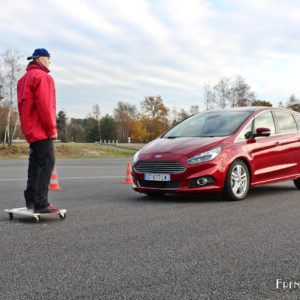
24, 211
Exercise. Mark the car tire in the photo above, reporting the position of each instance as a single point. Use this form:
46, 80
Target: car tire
237, 182
297, 183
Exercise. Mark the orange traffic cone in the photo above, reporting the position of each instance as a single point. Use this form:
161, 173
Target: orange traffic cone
128, 178
54, 181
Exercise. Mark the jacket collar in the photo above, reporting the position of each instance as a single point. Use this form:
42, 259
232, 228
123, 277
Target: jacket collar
37, 65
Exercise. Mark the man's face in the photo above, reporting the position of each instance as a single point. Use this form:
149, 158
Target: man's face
45, 60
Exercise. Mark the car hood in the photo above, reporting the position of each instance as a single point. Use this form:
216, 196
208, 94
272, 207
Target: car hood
181, 146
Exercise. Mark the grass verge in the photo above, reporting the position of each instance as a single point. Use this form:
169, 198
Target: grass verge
69, 150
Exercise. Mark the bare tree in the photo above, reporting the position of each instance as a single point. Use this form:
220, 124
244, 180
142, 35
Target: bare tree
293, 103
1, 86
222, 92
2, 108
96, 112
174, 117
183, 115
177, 117
12, 68
124, 115
209, 97
229, 92
241, 94
194, 109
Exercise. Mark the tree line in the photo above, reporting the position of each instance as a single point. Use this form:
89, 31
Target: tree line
141, 124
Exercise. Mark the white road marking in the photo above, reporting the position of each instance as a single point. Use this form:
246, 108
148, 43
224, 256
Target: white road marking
68, 167
96, 177
62, 178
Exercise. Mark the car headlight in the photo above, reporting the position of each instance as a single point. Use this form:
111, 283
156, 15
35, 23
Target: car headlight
205, 156
136, 157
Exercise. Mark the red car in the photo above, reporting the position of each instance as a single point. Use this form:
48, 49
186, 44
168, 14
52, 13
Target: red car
226, 151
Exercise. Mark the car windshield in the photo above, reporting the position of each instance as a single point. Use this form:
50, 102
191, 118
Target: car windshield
209, 124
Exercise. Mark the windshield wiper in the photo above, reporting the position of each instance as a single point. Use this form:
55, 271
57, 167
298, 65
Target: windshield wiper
172, 137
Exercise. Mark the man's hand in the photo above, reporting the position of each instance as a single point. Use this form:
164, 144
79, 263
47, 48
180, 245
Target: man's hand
53, 137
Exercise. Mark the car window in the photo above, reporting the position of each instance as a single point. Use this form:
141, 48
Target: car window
286, 122
209, 124
264, 120
297, 117
241, 136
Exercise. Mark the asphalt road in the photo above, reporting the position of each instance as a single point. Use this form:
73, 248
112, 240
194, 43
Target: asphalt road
118, 244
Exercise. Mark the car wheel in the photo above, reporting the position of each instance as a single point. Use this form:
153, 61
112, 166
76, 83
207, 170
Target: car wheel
297, 183
237, 181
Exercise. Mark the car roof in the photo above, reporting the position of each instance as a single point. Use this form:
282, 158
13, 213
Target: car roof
250, 109
243, 108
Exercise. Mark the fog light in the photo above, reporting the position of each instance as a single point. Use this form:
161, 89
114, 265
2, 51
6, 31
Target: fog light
202, 181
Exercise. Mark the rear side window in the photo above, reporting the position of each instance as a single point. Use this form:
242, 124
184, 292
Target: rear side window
286, 122
297, 117
264, 120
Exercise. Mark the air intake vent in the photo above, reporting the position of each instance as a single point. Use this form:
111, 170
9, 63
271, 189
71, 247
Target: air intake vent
168, 167
159, 184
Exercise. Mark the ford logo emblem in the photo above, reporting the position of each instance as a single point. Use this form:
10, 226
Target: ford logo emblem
158, 156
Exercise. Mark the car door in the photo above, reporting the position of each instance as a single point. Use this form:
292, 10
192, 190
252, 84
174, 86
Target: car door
297, 118
264, 150
289, 142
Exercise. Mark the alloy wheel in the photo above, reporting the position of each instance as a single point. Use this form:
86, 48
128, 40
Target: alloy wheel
239, 180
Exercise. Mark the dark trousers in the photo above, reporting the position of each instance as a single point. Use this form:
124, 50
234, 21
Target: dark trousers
41, 163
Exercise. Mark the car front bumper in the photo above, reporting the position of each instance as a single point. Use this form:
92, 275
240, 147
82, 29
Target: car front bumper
190, 181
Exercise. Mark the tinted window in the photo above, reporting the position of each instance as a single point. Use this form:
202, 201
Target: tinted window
209, 124
297, 117
264, 120
286, 122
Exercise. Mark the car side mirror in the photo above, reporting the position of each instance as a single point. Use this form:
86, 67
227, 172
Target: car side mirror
248, 135
262, 132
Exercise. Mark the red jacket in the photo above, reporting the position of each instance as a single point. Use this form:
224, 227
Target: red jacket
37, 103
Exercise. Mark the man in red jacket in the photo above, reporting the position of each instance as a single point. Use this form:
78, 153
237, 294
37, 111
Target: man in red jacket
37, 110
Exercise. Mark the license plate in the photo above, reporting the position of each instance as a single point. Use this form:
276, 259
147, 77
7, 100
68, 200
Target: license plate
157, 177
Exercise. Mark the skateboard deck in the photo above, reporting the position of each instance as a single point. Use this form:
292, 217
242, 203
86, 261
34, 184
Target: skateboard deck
24, 211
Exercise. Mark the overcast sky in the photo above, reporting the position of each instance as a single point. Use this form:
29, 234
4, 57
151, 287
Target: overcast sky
106, 51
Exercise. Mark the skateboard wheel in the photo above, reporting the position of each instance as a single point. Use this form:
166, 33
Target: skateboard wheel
11, 216
62, 216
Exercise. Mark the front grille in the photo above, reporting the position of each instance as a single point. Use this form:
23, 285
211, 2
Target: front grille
159, 184
168, 167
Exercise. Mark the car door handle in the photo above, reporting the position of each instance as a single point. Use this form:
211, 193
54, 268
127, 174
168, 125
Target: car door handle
277, 144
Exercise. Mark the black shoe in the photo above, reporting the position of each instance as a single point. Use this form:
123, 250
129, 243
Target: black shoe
30, 206
47, 210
